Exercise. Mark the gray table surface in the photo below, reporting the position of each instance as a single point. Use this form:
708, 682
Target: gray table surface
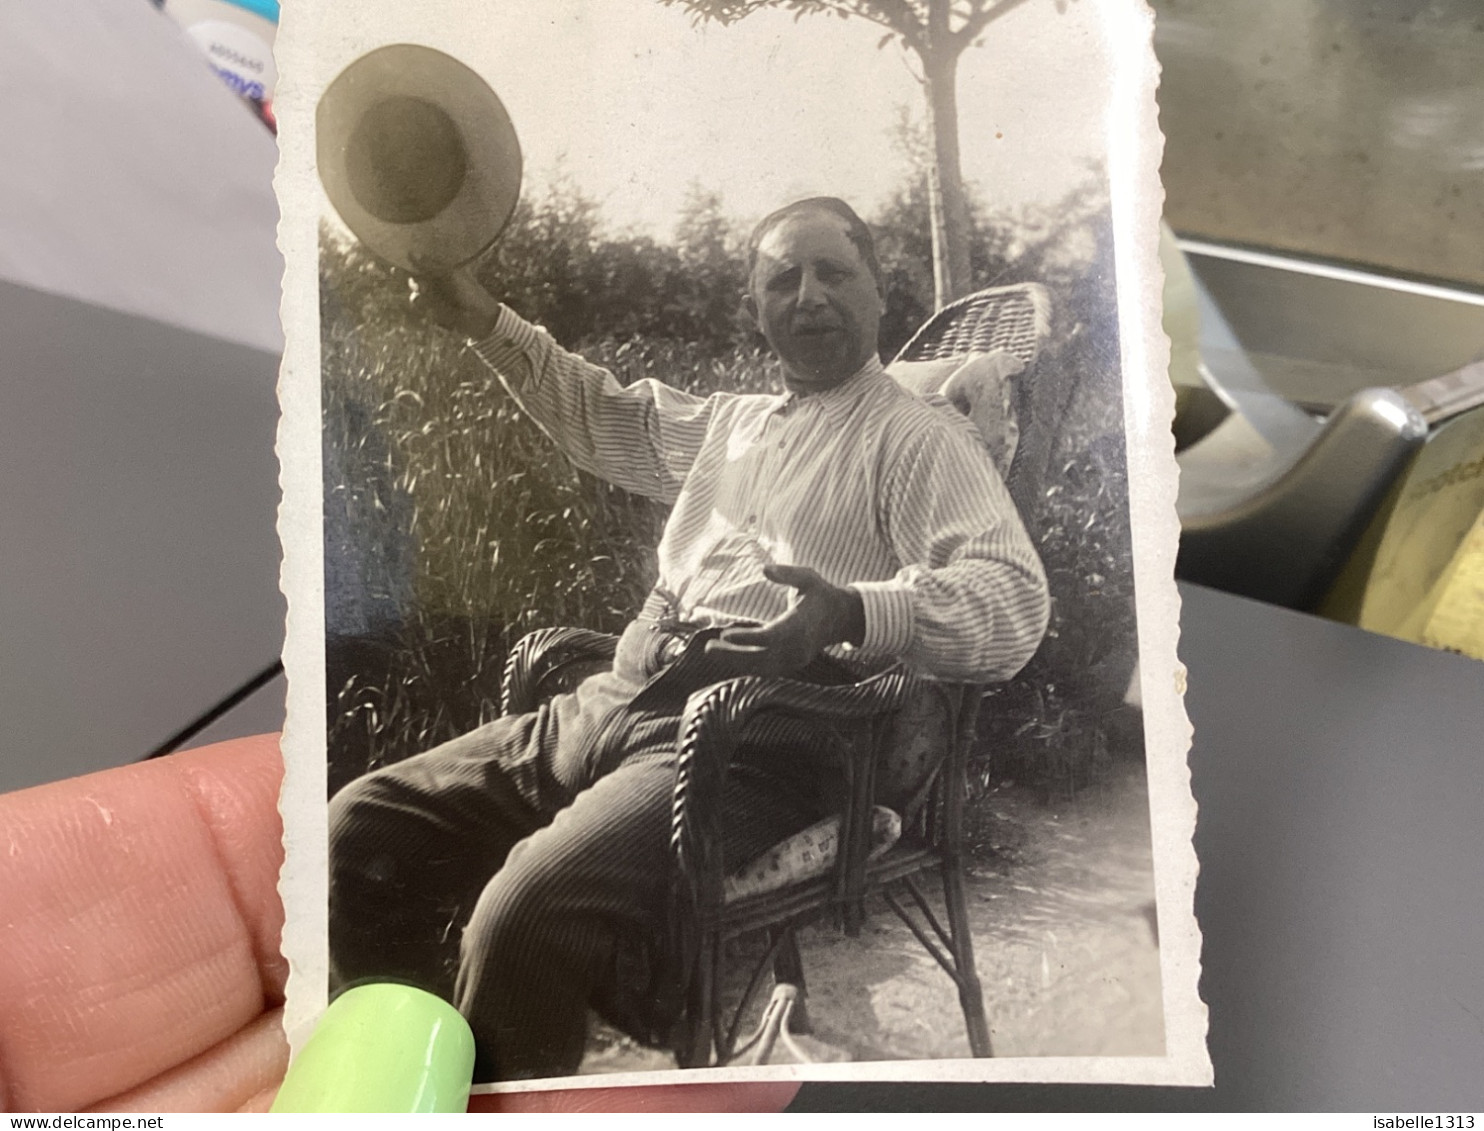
138, 558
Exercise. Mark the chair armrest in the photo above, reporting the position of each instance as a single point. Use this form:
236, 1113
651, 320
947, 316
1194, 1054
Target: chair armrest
713, 722
538, 656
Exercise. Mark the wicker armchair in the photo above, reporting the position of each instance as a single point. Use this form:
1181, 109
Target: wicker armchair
894, 735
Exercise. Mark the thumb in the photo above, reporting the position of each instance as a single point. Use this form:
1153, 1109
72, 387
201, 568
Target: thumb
800, 577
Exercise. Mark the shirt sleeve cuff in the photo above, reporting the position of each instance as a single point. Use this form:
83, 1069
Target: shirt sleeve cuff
512, 341
888, 614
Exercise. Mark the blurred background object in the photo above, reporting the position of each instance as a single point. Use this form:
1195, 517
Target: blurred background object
139, 343
1334, 382
1324, 169
1343, 130
132, 179
236, 37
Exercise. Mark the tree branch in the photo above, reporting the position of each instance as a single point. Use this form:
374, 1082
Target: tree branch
899, 16
966, 9
722, 11
981, 19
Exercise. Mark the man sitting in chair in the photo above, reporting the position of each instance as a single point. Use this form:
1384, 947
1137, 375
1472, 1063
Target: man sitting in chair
844, 520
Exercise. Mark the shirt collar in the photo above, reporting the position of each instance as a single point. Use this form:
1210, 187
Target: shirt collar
837, 401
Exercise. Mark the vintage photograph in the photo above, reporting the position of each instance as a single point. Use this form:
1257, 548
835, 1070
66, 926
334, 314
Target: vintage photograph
728, 537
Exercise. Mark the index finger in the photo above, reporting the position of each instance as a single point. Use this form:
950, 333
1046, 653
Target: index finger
139, 920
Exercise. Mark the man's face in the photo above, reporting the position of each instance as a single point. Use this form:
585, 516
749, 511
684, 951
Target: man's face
815, 300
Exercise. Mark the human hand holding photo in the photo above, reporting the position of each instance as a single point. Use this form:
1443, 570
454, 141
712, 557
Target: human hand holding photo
139, 960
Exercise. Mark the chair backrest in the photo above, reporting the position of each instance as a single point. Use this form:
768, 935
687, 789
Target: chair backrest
1016, 318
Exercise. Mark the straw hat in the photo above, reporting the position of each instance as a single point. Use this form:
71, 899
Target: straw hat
418, 156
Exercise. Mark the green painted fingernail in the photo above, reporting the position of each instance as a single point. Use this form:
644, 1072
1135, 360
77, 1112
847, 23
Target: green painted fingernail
383, 1047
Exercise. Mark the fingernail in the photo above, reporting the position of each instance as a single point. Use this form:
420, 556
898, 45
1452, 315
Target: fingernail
383, 1047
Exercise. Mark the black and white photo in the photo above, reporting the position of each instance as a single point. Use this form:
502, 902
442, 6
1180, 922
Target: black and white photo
729, 536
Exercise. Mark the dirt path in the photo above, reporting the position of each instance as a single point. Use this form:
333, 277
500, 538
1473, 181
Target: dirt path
1061, 900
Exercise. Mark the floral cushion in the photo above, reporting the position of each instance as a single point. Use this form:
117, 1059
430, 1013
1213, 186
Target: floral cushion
919, 740
807, 855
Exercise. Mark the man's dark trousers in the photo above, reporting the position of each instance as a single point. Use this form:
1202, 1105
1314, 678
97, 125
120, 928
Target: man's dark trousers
510, 869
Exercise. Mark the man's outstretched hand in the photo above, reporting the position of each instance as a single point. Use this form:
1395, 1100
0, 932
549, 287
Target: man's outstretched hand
820, 614
139, 963
456, 301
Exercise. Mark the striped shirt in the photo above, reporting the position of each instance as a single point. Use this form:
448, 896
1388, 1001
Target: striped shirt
870, 486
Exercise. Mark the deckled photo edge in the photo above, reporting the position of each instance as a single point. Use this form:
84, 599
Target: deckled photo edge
303, 880
1135, 151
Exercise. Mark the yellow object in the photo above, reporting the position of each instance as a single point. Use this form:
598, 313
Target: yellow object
1457, 620
1419, 572
383, 1047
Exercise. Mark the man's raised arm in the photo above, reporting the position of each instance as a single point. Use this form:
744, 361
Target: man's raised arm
642, 437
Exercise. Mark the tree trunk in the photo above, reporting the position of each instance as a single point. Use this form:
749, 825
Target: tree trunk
949, 208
